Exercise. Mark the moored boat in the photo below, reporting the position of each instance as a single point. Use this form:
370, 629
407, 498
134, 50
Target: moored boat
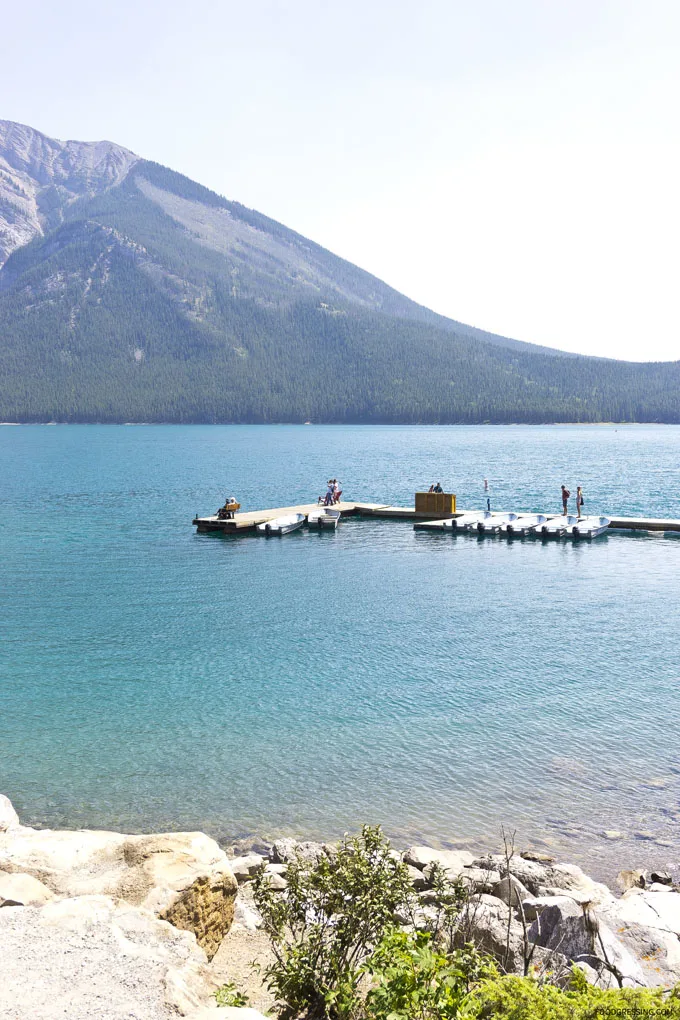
467, 521
557, 527
324, 517
281, 525
589, 527
494, 522
524, 524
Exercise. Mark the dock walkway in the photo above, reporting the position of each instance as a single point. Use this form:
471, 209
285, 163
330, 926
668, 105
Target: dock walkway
250, 520
243, 522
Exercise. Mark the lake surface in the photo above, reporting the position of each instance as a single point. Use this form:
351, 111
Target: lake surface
152, 678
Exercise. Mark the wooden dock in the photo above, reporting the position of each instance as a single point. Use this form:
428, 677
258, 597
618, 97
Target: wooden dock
244, 522
248, 521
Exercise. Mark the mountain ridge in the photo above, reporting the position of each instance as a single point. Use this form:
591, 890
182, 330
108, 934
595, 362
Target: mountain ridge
142, 295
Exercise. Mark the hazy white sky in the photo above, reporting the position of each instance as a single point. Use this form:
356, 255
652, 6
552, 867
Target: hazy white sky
514, 164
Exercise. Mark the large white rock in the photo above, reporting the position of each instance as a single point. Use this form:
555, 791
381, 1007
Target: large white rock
89, 958
246, 868
547, 879
22, 890
648, 923
585, 938
489, 923
533, 905
452, 861
181, 877
9, 819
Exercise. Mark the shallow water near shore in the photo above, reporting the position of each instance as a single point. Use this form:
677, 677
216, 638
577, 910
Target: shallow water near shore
441, 686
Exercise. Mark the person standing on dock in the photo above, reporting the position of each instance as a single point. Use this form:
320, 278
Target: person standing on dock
579, 501
565, 496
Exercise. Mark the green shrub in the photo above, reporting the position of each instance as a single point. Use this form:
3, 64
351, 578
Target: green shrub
229, 995
415, 981
516, 998
331, 918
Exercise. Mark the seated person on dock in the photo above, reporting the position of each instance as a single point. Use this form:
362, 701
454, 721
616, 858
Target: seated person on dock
227, 511
438, 487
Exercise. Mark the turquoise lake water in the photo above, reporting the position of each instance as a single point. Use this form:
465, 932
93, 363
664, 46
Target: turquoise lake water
443, 686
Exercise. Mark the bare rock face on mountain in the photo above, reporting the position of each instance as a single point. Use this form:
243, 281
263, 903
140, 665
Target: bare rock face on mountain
39, 176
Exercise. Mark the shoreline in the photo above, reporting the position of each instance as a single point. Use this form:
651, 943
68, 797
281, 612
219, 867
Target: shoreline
602, 855
359, 424
184, 909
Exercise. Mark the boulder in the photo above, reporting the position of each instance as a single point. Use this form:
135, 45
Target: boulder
244, 869
479, 880
90, 957
285, 850
533, 905
246, 915
661, 878
17, 890
488, 922
276, 869
9, 819
555, 879
537, 856
510, 890
418, 880
631, 879
181, 877
581, 936
452, 861
276, 882
648, 924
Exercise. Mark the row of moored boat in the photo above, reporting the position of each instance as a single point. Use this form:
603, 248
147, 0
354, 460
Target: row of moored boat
486, 523
324, 518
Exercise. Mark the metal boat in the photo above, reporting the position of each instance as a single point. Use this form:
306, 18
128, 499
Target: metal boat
589, 527
324, 517
281, 525
494, 523
524, 524
556, 527
466, 521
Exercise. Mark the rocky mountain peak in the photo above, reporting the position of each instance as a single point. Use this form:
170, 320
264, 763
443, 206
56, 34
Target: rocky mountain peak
40, 175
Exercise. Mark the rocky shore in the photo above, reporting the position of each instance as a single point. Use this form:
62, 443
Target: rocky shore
106, 925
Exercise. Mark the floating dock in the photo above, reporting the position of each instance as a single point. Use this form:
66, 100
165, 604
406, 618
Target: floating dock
245, 522
249, 521
652, 524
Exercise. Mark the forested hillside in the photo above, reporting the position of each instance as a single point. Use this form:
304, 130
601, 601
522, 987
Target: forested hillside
153, 299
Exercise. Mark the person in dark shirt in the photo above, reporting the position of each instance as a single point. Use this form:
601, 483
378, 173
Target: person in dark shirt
438, 488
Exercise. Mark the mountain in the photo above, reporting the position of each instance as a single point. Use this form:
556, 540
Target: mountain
131, 293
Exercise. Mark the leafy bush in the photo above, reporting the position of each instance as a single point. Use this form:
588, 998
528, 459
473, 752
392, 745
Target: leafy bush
518, 998
339, 953
415, 981
333, 916
229, 995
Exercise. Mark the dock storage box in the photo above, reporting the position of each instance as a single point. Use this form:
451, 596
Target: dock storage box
439, 504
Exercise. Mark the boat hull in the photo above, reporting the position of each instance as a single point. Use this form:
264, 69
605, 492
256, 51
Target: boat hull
557, 527
589, 527
524, 525
281, 525
492, 525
